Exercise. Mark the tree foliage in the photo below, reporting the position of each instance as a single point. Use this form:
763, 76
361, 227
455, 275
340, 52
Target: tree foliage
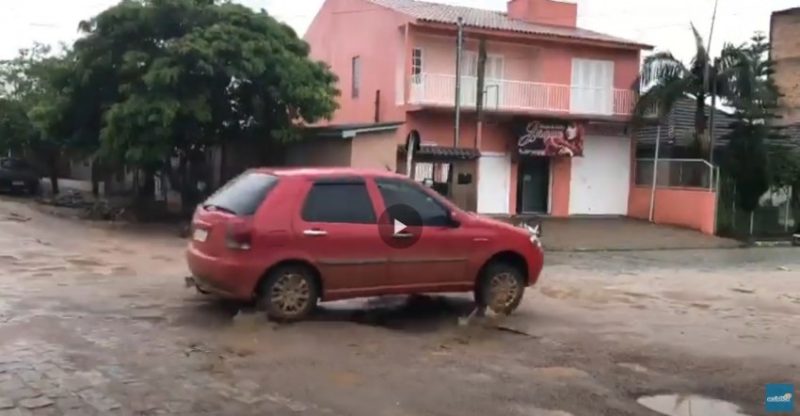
665, 80
165, 77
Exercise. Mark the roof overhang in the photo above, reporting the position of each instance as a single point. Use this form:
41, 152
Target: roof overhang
351, 131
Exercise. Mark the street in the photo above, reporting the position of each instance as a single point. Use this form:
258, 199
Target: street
95, 320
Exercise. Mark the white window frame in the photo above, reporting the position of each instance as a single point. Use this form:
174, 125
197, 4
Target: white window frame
417, 68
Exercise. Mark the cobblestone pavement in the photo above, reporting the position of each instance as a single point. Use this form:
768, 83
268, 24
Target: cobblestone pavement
94, 321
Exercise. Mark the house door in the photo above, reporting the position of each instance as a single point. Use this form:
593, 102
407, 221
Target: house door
600, 180
533, 185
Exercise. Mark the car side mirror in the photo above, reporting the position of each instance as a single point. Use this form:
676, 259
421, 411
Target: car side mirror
455, 219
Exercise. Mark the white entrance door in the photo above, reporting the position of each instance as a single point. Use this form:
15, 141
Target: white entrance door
600, 180
494, 177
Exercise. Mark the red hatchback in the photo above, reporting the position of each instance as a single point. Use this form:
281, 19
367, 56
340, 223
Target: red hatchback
290, 238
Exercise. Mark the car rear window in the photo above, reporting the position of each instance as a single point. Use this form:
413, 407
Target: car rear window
242, 195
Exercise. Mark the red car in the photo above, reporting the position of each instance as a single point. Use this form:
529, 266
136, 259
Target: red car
290, 238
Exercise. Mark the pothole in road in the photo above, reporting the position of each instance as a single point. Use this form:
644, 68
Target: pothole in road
689, 405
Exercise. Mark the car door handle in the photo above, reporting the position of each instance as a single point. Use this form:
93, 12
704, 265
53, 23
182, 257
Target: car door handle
315, 233
403, 235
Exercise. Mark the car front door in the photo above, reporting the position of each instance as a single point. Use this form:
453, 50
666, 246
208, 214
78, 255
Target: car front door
436, 256
337, 227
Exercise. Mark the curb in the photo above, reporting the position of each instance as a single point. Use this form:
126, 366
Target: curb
628, 250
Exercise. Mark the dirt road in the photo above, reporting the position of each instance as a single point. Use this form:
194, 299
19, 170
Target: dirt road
95, 320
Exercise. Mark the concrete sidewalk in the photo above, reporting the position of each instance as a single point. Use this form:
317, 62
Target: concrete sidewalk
622, 234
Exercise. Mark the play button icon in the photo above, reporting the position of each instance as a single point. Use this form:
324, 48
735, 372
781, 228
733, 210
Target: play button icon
400, 226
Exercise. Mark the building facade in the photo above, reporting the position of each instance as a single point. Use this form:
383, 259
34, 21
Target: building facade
553, 137
785, 52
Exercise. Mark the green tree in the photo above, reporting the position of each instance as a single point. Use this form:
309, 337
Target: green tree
162, 78
665, 80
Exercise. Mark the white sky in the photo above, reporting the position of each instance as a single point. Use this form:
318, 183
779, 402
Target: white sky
663, 23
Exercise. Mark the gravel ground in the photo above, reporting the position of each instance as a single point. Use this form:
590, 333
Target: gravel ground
94, 320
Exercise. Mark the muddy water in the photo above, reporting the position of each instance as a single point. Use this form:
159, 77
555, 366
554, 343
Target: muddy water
689, 405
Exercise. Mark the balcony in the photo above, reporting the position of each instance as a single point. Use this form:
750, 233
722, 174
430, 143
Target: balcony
522, 96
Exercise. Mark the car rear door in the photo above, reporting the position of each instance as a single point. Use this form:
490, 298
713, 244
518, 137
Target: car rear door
337, 228
437, 256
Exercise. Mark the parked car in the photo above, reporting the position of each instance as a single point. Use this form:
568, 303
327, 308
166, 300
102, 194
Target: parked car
18, 175
290, 238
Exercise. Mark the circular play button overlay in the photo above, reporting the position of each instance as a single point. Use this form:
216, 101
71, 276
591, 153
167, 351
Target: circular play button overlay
400, 226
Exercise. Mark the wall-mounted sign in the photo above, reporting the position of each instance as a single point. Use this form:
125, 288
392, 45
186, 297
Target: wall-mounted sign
551, 138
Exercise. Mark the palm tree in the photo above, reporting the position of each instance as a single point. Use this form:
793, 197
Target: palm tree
665, 80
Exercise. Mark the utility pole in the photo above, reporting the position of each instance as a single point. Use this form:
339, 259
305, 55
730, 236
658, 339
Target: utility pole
655, 173
706, 80
481, 91
459, 51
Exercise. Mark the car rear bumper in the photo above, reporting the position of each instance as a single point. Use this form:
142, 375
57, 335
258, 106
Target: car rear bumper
228, 278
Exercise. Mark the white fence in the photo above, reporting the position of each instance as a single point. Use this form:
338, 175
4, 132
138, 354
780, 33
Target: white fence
510, 95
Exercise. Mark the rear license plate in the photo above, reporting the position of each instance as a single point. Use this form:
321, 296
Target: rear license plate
200, 235
17, 183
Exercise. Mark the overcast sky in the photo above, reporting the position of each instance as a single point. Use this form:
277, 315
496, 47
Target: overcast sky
663, 23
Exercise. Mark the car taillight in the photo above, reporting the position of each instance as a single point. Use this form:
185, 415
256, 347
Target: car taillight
239, 236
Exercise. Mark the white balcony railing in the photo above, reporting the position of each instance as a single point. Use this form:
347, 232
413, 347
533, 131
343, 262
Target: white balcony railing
509, 95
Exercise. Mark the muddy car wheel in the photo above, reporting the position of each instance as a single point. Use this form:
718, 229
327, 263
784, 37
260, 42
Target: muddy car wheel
500, 288
289, 294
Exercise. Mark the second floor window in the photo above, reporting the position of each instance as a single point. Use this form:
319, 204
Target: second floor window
356, 76
416, 62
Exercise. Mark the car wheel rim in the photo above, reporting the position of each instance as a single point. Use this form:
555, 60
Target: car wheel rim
291, 294
503, 291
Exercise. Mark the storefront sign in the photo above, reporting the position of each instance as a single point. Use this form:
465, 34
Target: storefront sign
551, 138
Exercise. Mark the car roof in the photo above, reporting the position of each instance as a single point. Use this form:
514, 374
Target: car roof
317, 172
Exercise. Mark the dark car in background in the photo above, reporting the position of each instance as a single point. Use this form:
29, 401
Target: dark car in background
18, 175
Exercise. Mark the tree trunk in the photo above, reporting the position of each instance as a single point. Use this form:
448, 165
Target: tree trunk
187, 206
52, 167
700, 123
95, 177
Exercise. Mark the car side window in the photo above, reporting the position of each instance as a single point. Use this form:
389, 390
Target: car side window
345, 202
395, 192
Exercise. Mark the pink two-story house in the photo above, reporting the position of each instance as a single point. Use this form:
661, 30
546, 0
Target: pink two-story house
553, 137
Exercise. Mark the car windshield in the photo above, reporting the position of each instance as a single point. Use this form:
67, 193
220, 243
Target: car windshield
14, 164
242, 195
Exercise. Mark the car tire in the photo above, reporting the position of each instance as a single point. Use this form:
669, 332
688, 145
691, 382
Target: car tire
289, 293
500, 288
